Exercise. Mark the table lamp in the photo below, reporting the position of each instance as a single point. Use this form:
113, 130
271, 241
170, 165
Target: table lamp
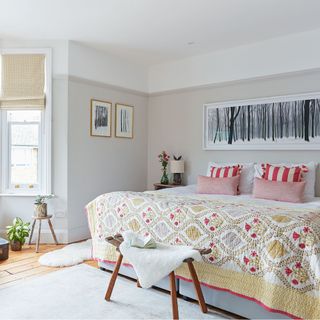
177, 168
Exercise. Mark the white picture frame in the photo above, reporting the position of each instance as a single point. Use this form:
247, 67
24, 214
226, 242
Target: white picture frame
124, 121
100, 118
282, 104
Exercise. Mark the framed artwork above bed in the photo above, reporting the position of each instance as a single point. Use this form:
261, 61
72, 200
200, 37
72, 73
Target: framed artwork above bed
287, 123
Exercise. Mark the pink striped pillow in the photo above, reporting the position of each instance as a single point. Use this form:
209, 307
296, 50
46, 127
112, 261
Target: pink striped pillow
278, 190
282, 173
225, 172
210, 185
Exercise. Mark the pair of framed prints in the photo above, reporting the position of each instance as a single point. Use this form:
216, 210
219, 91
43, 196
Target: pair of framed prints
101, 119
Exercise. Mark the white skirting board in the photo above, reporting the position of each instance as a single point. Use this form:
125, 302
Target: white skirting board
220, 299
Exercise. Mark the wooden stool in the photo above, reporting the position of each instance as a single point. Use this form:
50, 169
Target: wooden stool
48, 217
118, 239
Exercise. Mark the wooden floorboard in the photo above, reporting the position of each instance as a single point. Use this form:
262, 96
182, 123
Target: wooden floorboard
24, 264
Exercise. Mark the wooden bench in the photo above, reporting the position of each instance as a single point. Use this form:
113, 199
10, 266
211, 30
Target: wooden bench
118, 239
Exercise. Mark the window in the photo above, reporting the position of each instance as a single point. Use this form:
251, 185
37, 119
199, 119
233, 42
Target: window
25, 125
23, 140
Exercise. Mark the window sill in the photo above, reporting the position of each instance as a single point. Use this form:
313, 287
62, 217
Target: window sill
18, 195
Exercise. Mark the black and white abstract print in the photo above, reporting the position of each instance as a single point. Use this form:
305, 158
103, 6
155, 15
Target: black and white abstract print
124, 121
275, 123
101, 117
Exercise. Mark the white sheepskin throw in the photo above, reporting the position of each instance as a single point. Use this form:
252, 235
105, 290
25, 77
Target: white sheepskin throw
68, 256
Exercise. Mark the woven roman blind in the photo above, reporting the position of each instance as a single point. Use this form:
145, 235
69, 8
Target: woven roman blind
22, 81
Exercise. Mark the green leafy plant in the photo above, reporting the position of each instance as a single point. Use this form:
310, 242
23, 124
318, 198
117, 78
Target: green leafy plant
19, 230
42, 199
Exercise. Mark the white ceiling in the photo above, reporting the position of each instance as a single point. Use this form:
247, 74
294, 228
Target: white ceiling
155, 31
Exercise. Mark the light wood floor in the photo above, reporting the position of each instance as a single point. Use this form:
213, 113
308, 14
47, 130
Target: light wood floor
24, 264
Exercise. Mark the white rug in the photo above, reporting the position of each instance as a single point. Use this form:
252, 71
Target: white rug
70, 255
78, 293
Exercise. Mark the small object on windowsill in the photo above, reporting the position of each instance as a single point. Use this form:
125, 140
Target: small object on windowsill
159, 186
177, 168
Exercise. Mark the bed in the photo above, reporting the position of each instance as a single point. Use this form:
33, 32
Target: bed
265, 260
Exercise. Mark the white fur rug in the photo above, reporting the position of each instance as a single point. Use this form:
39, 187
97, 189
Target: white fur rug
78, 293
70, 255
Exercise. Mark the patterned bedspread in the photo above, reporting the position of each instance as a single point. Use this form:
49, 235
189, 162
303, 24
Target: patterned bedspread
269, 254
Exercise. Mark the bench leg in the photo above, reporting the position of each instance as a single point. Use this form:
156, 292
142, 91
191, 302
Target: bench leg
197, 287
113, 278
175, 312
138, 284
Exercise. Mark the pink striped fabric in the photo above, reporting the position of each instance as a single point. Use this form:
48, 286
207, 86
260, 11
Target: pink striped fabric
282, 173
225, 172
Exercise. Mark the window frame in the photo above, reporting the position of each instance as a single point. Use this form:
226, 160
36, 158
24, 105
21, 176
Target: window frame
45, 134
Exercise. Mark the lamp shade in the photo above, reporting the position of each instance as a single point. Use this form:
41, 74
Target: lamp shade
177, 166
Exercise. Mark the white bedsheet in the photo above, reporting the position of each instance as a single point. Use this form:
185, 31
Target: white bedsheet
191, 190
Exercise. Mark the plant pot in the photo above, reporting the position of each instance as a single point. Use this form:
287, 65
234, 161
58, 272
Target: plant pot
15, 245
40, 210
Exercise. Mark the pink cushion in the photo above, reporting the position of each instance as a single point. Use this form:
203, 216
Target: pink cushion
210, 185
278, 190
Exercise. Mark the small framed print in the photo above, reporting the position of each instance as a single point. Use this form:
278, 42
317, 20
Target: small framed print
124, 121
100, 118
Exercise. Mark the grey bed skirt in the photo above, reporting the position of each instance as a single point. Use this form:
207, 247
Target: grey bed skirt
216, 298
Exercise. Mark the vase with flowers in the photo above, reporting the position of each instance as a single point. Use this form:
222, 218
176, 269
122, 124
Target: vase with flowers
164, 160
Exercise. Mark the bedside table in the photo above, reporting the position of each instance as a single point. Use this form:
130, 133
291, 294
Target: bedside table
159, 186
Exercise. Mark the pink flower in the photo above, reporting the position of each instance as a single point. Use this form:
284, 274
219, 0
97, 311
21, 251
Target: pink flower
247, 227
255, 220
298, 265
254, 235
176, 223
171, 216
295, 236
212, 228
288, 271
211, 259
295, 282
246, 260
253, 269
211, 244
306, 229
148, 220
302, 245
253, 253
206, 221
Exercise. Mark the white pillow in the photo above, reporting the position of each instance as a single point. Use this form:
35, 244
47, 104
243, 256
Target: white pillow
309, 177
246, 177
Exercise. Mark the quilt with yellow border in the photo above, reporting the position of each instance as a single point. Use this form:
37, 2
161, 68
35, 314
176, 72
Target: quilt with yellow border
270, 254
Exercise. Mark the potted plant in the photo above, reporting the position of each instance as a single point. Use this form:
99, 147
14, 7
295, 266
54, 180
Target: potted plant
17, 233
40, 205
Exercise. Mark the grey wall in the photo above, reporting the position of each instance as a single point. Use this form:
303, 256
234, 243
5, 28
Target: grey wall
98, 165
175, 123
